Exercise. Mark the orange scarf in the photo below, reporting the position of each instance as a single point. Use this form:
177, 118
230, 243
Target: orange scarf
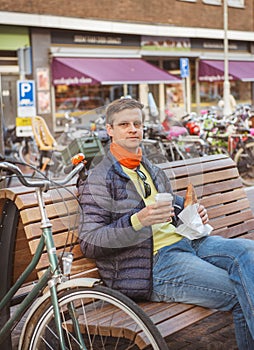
126, 158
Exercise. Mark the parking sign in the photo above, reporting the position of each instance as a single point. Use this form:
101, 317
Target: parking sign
26, 107
184, 67
26, 98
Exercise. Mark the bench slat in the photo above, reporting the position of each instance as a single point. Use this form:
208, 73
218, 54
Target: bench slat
59, 224
230, 221
229, 208
183, 320
203, 179
53, 210
241, 229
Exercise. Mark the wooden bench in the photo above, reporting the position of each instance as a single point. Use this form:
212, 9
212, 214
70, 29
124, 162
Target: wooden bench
219, 188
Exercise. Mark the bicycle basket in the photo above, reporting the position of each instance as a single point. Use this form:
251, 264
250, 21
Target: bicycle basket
91, 146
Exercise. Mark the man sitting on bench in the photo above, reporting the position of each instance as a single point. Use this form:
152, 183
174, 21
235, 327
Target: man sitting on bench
134, 241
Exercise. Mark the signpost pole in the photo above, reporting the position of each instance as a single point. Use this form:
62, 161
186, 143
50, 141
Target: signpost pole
188, 95
185, 74
2, 148
226, 86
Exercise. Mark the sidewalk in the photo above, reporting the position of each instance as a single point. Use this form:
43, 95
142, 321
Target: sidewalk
213, 333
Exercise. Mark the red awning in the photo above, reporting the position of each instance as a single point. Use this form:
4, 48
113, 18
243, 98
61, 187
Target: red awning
107, 71
210, 70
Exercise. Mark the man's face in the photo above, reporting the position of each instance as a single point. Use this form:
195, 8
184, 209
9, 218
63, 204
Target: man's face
127, 129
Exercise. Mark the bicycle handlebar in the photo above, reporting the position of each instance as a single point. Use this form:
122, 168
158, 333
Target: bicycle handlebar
42, 183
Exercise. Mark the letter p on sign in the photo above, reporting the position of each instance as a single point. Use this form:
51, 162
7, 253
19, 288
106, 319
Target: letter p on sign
25, 88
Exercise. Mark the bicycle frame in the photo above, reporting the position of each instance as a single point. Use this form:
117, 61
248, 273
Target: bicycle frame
52, 277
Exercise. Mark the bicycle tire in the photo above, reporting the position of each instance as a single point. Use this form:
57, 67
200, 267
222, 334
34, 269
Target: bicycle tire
244, 159
92, 306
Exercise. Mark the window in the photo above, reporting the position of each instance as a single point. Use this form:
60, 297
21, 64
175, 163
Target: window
212, 2
236, 3
232, 3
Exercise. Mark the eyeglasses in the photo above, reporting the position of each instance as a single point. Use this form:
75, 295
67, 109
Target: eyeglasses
126, 125
147, 187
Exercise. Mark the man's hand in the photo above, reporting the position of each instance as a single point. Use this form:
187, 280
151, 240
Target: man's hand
156, 213
203, 214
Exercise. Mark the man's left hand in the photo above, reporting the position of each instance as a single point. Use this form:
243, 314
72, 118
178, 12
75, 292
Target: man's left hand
203, 214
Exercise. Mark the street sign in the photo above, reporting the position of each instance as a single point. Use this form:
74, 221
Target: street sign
26, 107
25, 61
184, 67
26, 98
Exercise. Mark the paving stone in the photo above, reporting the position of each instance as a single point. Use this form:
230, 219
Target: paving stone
216, 332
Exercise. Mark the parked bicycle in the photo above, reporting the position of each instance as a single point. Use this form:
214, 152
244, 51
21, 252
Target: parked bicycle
166, 146
232, 136
29, 152
61, 317
72, 130
11, 142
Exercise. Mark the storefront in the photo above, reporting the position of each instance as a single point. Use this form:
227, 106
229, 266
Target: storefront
91, 69
206, 57
210, 71
93, 82
211, 78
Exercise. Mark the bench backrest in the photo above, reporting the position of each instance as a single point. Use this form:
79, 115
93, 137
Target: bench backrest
215, 179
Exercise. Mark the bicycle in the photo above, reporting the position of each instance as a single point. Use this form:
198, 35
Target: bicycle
71, 131
231, 136
70, 314
160, 146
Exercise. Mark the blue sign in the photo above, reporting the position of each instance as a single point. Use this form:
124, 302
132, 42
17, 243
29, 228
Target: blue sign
26, 93
184, 67
26, 98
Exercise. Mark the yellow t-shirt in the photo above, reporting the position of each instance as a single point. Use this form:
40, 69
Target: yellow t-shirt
163, 234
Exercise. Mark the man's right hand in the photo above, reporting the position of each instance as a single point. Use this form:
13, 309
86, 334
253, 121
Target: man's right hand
156, 213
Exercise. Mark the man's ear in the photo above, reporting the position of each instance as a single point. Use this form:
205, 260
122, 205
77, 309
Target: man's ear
109, 130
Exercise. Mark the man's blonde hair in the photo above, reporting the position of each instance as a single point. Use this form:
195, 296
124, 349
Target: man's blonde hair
120, 105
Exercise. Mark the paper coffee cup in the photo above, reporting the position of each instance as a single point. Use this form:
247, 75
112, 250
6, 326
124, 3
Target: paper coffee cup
164, 197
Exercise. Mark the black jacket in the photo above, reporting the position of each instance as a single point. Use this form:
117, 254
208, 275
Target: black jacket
108, 199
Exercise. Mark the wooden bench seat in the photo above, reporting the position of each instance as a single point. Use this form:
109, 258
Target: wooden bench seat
218, 187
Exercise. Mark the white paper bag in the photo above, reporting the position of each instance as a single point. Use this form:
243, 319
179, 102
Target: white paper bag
192, 226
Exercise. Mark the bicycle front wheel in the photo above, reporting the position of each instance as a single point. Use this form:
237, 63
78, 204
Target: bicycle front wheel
93, 318
244, 159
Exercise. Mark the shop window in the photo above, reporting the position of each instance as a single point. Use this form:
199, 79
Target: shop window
211, 93
86, 101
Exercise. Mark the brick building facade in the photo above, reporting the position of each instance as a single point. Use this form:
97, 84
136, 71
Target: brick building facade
170, 13
159, 32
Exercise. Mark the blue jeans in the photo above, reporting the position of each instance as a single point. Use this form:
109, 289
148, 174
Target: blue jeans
213, 272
